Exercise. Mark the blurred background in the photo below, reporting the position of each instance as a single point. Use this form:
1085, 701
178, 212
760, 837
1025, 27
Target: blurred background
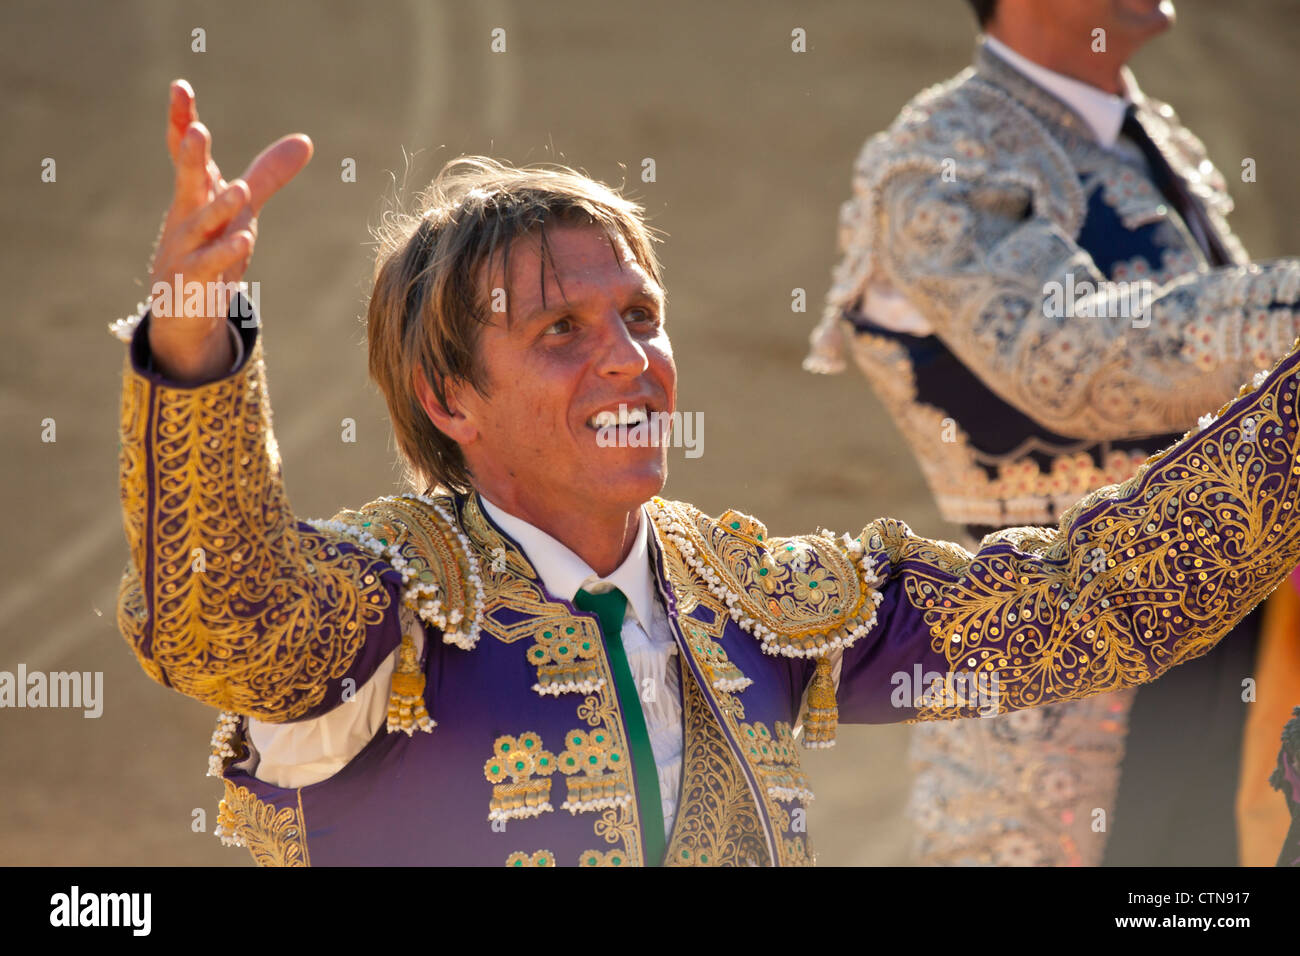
753, 147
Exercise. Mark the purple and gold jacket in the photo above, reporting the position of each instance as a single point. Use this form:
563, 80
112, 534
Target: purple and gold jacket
506, 741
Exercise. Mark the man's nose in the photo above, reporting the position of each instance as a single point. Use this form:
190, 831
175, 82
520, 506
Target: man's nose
621, 353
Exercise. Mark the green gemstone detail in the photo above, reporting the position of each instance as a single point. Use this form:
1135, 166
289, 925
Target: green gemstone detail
614, 758
547, 634
563, 649
577, 741
544, 762
593, 759
365, 524
591, 861
384, 542
812, 584
539, 653
496, 769
528, 742
735, 526
505, 747
569, 762
568, 630
600, 738
616, 860
519, 765
519, 862
762, 572
686, 855
586, 645
542, 862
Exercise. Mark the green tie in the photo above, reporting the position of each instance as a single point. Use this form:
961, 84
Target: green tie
609, 608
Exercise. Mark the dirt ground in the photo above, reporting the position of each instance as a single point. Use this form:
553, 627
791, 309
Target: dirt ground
753, 146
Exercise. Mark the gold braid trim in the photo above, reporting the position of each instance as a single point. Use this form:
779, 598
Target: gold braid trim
227, 598
804, 596
275, 837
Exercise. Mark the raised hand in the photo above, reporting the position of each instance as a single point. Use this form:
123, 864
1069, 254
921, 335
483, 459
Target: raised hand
207, 237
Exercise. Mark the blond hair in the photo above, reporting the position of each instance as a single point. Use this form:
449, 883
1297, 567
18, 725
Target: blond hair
430, 301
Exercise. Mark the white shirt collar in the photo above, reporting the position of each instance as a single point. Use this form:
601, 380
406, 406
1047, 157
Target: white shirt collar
1104, 112
563, 572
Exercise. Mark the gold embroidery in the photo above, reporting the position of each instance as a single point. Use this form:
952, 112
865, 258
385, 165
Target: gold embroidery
1196, 539
406, 707
776, 759
420, 538
717, 823
274, 836
823, 713
244, 608
540, 858
803, 596
566, 656
521, 759
597, 858
590, 753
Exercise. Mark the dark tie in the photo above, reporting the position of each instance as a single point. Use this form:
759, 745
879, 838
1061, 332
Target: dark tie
1175, 191
609, 607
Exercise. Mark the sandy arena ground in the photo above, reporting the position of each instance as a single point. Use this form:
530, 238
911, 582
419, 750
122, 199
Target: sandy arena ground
753, 146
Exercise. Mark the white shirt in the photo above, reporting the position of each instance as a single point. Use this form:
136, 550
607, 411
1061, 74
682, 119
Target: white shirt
309, 751
1104, 114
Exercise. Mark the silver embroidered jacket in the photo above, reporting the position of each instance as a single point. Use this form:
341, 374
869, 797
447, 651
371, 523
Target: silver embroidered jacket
972, 206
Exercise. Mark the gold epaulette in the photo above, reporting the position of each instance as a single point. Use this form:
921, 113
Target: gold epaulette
808, 596
419, 536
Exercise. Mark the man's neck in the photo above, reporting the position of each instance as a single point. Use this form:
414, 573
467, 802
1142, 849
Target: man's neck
602, 539
1073, 58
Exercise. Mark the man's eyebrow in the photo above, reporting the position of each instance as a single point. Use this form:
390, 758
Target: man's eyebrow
649, 292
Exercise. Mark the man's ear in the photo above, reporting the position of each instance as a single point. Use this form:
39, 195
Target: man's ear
453, 420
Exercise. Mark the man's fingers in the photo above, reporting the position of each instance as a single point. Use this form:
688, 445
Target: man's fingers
217, 257
181, 112
193, 177
219, 215
275, 166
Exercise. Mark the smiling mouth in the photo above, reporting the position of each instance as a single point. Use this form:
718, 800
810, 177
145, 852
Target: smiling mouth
636, 415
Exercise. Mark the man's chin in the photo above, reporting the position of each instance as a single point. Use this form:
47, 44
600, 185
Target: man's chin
1146, 18
620, 488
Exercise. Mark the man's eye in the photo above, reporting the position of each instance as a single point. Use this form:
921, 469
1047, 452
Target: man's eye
558, 327
640, 315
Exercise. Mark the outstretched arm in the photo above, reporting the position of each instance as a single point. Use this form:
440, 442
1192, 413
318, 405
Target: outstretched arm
1137, 578
227, 597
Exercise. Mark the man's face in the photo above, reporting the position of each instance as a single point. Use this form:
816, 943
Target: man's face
596, 342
